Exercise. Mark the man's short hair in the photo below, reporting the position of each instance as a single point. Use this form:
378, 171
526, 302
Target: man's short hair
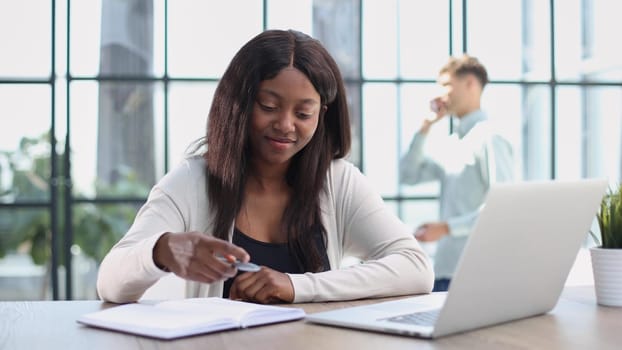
465, 64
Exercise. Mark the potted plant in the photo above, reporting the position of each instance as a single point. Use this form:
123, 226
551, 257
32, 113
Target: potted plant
607, 255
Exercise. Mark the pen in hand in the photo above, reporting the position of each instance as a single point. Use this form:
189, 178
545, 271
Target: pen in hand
242, 266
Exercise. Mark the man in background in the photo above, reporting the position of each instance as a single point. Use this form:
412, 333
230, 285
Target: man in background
466, 163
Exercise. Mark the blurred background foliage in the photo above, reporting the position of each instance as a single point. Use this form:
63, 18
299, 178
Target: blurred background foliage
96, 228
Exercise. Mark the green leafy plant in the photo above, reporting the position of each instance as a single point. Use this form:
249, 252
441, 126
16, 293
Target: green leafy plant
96, 228
610, 219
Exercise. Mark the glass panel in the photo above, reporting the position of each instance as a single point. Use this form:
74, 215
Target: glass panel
379, 26
25, 254
336, 25
336, 16
353, 91
604, 61
25, 166
532, 134
116, 37
158, 37
569, 143
536, 50
456, 34
198, 46
414, 108
60, 42
380, 136
587, 114
287, 14
423, 38
586, 31
522, 115
113, 145
568, 46
84, 104
85, 36
603, 115
126, 42
25, 37
189, 105
500, 50
96, 228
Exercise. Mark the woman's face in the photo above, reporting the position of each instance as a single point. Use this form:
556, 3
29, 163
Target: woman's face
285, 117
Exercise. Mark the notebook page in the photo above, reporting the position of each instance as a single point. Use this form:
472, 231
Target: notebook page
245, 313
157, 322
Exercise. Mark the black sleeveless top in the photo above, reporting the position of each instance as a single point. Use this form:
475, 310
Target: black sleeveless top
273, 255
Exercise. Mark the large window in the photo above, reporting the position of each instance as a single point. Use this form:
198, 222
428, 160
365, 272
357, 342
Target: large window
99, 99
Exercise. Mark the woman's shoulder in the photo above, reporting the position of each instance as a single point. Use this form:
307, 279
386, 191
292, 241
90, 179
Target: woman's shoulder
195, 164
190, 170
342, 167
343, 174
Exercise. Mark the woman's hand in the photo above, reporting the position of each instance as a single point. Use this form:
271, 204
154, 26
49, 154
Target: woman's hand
266, 286
193, 256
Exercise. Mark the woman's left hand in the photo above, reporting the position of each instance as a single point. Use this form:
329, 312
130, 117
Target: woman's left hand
265, 286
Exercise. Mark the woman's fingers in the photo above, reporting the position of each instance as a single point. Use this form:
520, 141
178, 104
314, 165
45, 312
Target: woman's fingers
265, 286
213, 246
194, 256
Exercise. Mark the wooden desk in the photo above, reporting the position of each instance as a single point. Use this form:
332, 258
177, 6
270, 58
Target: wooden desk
575, 323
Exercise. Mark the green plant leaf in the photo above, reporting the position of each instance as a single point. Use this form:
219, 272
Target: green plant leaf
610, 219
95, 228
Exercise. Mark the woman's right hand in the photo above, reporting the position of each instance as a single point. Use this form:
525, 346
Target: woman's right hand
194, 256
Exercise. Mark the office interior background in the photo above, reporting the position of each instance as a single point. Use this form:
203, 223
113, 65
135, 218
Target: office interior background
100, 98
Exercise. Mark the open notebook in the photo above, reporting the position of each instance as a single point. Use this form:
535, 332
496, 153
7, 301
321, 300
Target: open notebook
180, 318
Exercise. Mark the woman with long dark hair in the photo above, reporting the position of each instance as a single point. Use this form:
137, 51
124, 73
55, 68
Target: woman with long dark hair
272, 187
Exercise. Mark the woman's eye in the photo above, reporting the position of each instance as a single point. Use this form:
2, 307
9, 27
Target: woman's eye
304, 115
266, 107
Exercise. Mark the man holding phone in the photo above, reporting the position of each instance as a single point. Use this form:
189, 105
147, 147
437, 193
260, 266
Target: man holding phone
470, 160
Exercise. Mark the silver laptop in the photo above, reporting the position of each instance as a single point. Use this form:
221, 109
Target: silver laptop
514, 264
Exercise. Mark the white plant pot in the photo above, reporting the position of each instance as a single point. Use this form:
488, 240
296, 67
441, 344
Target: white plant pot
607, 268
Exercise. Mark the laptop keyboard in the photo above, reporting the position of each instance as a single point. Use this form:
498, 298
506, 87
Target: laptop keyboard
420, 318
